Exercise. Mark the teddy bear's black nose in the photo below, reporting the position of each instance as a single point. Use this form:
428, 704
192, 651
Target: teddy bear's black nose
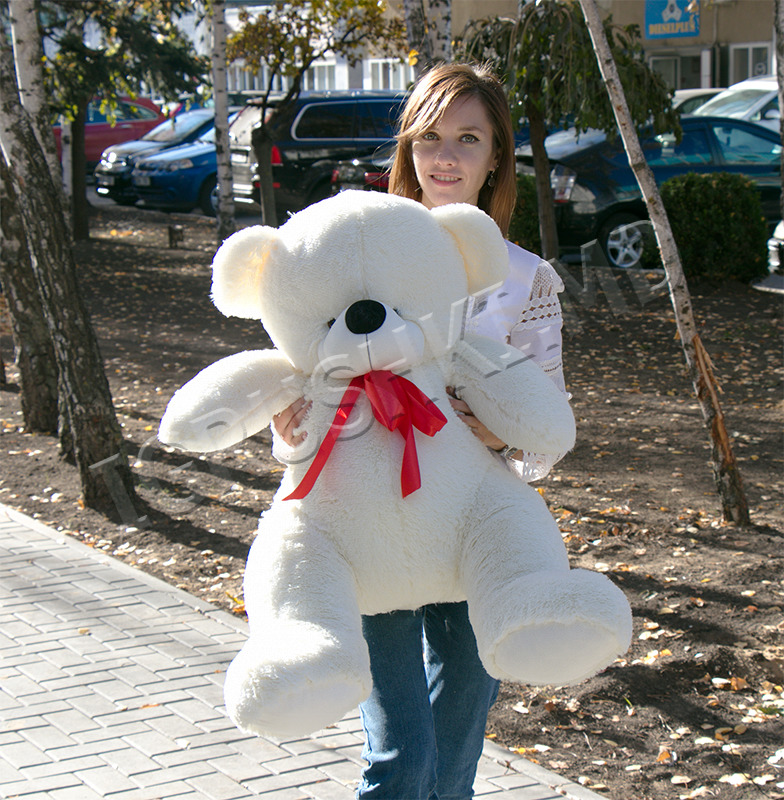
365, 316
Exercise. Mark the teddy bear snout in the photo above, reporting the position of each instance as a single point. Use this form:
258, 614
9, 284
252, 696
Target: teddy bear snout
365, 316
368, 336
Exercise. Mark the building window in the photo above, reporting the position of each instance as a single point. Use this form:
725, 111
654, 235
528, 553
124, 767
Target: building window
319, 78
240, 79
667, 67
749, 61
390, 73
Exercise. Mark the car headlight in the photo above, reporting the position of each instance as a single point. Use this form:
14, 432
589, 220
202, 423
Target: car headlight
180, 163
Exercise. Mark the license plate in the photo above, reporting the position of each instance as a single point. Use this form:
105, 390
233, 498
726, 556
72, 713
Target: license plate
141, 180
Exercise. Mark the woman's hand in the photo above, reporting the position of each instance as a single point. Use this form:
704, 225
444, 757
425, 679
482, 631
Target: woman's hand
289, 420
485, 436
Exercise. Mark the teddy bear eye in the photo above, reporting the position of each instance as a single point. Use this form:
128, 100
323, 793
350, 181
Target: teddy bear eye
331, 323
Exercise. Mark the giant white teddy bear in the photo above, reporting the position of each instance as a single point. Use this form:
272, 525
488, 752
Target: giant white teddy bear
391, 503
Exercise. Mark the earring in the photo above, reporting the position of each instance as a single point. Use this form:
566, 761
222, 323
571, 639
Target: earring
491, 178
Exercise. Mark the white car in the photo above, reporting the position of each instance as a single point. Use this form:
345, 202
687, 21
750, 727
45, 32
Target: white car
755, 100
688, 100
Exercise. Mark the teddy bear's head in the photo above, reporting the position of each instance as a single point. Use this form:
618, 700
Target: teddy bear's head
361, 281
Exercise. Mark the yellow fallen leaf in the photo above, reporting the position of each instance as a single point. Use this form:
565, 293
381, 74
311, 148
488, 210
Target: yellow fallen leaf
736, 779
700, 791
736, 684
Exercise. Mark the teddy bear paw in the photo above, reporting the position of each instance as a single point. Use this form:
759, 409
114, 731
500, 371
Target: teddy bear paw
294, 687
568, 626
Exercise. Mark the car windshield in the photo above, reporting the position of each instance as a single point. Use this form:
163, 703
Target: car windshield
209, 136
563, 143
177, 128
731, 104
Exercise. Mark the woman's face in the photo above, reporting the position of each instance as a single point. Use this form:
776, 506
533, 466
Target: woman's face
453, 157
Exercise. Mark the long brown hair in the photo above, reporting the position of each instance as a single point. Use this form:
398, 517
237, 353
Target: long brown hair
432, 95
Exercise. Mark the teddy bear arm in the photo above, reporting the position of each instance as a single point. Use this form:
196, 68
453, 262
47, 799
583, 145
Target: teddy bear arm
230, 400
512, 396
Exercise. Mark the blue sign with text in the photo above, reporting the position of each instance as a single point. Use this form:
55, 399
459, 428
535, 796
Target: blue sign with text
671, 19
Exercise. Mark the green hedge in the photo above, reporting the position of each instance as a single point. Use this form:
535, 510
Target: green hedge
716, 220
718, 225
524, 227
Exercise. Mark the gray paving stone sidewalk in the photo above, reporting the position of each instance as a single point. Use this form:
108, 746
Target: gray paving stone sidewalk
111, 687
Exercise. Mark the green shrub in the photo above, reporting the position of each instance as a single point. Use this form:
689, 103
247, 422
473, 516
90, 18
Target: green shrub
524, 227
718, 225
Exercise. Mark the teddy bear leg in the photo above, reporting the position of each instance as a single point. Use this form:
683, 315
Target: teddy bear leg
305, 664
537, 621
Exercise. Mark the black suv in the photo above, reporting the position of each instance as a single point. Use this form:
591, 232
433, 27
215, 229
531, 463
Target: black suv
310, 137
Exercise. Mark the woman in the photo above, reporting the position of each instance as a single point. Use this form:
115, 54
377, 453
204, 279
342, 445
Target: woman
425, 718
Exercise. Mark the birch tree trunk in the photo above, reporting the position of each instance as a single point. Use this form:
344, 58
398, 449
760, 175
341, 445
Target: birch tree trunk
725, 468
778, 24
225, 210
416, 34
439, 16
29, 59
86, 402
34, 351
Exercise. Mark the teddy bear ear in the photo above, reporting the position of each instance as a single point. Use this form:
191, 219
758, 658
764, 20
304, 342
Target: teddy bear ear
237, 268
480, 242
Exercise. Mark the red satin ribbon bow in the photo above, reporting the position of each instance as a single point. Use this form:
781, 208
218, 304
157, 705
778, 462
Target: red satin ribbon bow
398, 405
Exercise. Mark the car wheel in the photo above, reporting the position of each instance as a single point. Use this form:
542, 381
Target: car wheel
205, 196
623, 241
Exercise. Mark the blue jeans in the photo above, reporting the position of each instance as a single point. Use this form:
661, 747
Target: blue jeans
425, 718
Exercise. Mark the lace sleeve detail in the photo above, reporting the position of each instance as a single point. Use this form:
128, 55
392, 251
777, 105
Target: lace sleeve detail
538, 330
538, 333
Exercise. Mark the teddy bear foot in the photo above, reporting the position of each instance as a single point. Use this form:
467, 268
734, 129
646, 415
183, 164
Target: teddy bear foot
294, 695
572, 625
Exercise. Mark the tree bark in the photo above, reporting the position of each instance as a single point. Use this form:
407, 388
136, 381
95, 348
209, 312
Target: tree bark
416, 34
29, 58
439, 14
87, 404
544, 191
34, 352
80, 208
778, 24
262, 150
725, 468
225, 211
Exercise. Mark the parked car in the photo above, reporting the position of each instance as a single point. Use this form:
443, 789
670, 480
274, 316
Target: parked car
310, 137
686, 101
179, 179
113, 173
776, 250
597, 196
754, 100
370, 173
132, 119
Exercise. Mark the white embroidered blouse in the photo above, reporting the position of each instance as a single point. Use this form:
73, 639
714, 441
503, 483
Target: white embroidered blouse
526, 313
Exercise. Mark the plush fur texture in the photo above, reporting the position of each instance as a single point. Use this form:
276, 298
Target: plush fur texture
354, 545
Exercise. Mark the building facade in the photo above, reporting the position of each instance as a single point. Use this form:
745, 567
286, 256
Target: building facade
692, 43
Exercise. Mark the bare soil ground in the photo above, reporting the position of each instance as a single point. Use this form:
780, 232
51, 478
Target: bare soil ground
695, 708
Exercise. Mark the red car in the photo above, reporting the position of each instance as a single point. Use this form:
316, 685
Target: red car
133, 118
